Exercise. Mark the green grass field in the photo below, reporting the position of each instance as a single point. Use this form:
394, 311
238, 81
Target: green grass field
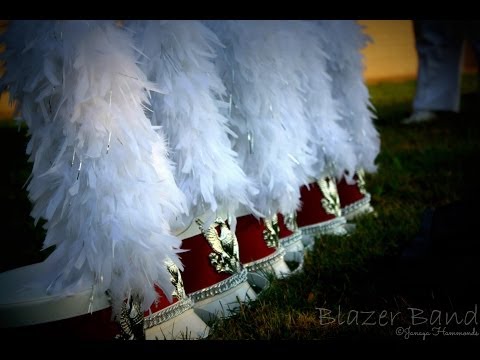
345, 279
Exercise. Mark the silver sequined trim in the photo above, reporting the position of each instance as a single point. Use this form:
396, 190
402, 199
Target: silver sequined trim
265, 263
220, 287
325, 227
358, 206
168, 313
291, 239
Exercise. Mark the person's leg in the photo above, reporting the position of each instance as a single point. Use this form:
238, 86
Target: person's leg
473, 36
439, 46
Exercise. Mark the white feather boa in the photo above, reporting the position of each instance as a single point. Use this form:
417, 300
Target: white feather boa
100, 177
343, 40
178, 58
325, 139
267, 110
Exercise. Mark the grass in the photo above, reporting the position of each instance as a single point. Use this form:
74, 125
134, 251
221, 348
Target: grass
420, 167
345, 278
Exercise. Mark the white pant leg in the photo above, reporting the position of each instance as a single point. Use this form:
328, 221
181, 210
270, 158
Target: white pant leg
439, 49
472, 33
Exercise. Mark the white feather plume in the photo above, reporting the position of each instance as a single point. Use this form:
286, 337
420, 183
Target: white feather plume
178, 58
267, 108
101, 177
343, 40
332, 144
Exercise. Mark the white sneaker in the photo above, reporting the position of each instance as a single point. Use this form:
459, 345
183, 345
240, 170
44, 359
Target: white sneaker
420, 117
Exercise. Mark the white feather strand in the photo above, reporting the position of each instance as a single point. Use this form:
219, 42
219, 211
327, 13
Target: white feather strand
178, 58
108, 214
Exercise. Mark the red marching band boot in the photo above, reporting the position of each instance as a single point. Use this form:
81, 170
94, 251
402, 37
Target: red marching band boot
213, 275
86, 313
320, 211
33, 313
354, 198
260, 252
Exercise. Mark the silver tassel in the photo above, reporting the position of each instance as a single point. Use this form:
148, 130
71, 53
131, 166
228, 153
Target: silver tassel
250, 142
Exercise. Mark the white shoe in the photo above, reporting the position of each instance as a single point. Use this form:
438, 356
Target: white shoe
419, 117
